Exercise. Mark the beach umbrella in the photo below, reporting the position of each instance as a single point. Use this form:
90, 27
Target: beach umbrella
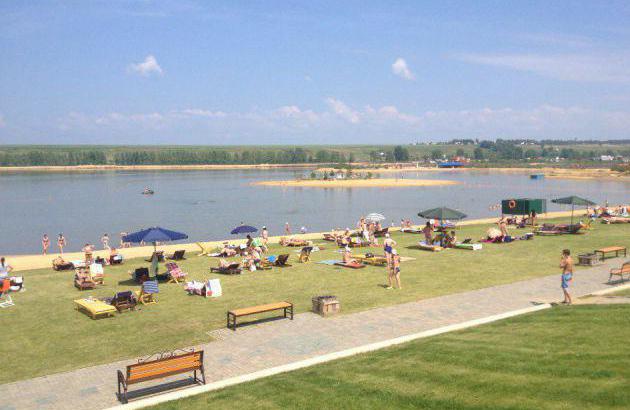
374, 217
243, 229
573, 201
441, 214
154, 235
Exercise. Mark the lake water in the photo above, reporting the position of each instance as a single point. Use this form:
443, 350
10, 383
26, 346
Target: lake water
208, 204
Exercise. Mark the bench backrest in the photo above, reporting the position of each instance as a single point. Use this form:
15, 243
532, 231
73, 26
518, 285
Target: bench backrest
159, 368
625, 267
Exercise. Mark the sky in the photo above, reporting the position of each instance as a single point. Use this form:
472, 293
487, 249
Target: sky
297, 72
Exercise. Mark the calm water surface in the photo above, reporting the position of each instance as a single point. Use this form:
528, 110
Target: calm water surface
208, 204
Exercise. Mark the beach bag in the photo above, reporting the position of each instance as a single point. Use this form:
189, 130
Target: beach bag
213, 288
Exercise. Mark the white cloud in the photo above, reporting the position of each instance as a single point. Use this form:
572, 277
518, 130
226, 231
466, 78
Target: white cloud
341, 123
401, 69
147, 67
614, 68
343, 111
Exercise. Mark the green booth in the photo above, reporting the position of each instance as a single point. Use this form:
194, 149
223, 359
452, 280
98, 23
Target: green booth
523, 206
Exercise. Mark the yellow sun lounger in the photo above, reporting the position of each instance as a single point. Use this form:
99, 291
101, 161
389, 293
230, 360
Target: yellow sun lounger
95, 308
205, 250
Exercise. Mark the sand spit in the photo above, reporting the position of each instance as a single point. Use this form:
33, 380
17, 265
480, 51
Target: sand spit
359, 183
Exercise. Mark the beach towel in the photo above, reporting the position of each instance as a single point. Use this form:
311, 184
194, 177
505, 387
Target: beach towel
329, 262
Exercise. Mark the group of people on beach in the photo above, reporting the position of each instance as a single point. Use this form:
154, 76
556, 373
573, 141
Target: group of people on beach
62, 242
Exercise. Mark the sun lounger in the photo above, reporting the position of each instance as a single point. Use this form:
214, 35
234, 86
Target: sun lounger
371, 260
124, 300
97, 274
83, 280
95, 308
146, 295
62, 266
469, 246
411, 230
351, 265
231, 269
174, 272
205, 250
381, 233
158, 254
177, 255
426, 247
140, 275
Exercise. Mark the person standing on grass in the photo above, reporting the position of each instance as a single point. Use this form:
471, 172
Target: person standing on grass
61, 242
393, 270
566, 264
388, 247
45, 244
428, 233
5, 268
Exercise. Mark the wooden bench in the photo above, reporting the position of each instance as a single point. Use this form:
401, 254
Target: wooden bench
611, 249
233, 314
159, 369
625, 269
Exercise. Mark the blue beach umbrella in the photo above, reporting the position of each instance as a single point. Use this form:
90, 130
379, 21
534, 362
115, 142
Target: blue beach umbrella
243, 229
154, 235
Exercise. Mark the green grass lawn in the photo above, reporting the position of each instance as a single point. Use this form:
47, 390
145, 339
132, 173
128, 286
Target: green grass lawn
45, 334
562, 358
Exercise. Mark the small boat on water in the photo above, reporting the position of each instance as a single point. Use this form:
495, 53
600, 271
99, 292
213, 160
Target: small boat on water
537, 176
148, 191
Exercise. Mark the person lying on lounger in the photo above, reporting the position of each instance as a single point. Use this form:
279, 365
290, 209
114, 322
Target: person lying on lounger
347, 256
227, 251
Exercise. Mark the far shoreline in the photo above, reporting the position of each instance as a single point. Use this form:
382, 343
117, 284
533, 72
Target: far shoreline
548, 172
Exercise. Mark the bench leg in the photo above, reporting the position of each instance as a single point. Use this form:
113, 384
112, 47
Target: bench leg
291, 309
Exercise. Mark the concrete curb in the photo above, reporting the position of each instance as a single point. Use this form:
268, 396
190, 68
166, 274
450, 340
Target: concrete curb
151, 401
612, 289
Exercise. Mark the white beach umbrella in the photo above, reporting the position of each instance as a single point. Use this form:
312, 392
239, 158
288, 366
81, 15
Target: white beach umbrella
374, 217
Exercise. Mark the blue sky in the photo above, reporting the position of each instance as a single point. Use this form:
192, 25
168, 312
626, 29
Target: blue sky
186, 72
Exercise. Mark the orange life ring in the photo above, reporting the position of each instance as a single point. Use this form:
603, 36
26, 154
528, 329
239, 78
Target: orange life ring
512, 204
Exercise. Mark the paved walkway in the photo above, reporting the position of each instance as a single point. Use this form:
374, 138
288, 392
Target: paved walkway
275, 343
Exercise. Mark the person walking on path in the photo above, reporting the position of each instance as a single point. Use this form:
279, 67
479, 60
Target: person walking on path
566, 264
45, 244
61, 242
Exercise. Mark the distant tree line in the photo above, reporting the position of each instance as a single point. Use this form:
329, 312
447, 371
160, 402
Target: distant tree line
192, 156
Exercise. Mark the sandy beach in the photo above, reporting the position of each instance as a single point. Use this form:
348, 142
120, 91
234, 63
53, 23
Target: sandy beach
359, 183
28, 262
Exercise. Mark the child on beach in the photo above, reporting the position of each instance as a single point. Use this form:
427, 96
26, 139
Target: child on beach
566, 264
393, 270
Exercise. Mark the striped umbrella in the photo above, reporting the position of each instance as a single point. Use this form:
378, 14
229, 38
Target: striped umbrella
374, 217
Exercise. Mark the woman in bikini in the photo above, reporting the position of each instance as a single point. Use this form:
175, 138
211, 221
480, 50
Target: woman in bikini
45, 244
61, 242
